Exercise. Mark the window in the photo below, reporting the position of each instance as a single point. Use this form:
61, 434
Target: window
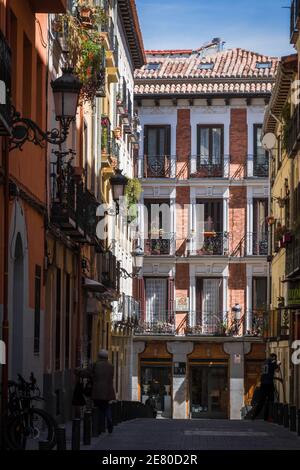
27, 77
37, 309
209, 304
210, 145
210, 215
67, 333
156, 300
153, 66
58, 318
40, 91
206, 66
260, 158
260, 231
259, 300
157, 151
263, 65
157, 140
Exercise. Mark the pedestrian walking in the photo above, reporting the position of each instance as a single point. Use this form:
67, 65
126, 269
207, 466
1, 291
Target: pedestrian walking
266, 390
101, 375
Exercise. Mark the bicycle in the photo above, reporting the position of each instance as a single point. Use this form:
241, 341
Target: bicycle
26, 425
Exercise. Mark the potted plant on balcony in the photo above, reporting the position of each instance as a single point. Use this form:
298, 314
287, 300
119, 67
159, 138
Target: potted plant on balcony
133, 192
270, 220
117, 132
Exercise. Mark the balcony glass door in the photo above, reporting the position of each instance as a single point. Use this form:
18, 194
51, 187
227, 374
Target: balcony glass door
156, 301
157, 151
261, 165
209, 391
209, 299
260, 230
210, 150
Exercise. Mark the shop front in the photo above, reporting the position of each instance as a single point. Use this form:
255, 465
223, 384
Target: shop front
209, 393
156, 383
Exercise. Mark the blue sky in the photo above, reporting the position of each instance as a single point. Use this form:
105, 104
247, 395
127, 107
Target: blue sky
258, 25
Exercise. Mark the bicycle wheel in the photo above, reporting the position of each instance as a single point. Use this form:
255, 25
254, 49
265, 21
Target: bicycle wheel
25, 431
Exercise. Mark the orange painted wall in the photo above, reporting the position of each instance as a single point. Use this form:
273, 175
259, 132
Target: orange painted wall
28, 168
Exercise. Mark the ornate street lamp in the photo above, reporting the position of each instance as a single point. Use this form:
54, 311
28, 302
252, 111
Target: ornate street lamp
138, 259
66, 91
118, 183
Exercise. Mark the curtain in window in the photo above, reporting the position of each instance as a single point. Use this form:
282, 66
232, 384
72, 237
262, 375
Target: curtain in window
204, 146
260, 152
216, 146
211, 304
156, 300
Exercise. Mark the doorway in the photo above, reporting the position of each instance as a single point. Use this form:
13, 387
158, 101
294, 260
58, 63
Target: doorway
209, 391
156, 384
16, 335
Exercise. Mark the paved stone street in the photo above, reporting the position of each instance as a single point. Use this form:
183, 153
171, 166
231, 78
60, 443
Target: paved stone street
146, 434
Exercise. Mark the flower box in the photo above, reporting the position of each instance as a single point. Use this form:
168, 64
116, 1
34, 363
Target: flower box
287, 238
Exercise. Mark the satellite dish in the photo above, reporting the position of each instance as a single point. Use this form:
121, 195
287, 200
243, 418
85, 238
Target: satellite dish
269, 141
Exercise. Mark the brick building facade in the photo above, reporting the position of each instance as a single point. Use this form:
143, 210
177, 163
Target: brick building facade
198, 347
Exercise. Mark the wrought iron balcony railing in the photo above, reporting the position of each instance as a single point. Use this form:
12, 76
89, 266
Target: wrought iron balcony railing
260, 169
257, 244
110, 275
277, 324
293, 256
209, 244
159, 166
206, 324
159, 244
156, 323
294, 23
223, 324
202, 166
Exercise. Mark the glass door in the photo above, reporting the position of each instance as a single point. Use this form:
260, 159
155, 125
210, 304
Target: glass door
209, 391
156, 388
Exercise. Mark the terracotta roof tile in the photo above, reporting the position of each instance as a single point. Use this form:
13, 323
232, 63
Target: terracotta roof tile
234, 70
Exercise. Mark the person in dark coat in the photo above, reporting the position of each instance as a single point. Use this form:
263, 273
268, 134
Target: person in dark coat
101, 374
266, 391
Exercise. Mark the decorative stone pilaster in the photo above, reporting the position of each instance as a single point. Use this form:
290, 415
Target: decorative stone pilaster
138, 347
180, 350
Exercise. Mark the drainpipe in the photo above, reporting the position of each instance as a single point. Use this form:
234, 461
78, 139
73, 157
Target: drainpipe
269, 286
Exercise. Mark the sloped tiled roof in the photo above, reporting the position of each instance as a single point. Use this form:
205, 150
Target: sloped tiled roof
233, 71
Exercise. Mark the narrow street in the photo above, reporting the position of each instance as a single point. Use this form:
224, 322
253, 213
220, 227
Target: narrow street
145, 434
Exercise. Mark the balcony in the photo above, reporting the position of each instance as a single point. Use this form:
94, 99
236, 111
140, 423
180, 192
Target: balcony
257, 244
67, 199
294, 23
48, 6
293, 133
162, 324
209, 244
222, 324
260, 169
202, 167
162, 245
110, 271
206, 324
160, 166
5, 86
293, 256
277, 325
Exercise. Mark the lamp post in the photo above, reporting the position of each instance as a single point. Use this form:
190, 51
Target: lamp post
118, 183
237, 311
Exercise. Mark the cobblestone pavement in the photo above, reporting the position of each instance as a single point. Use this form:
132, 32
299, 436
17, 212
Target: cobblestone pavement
150, 434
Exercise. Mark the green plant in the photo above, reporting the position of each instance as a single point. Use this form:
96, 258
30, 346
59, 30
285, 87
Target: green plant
85, 50
133, 193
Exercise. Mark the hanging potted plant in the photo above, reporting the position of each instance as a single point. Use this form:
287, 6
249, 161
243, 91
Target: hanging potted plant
270, 220
117, 132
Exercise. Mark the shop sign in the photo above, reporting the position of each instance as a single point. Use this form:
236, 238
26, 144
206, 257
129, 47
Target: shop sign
180, 369
182, 304
294, 295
